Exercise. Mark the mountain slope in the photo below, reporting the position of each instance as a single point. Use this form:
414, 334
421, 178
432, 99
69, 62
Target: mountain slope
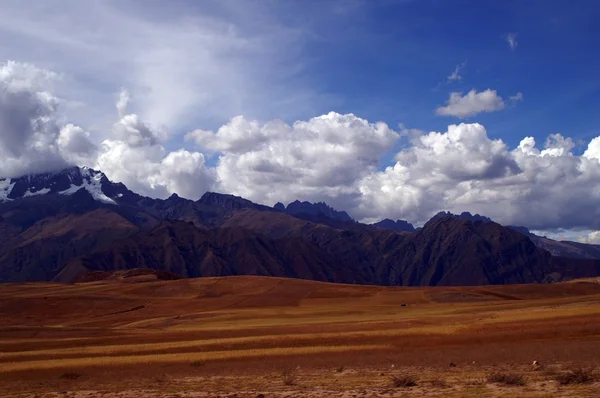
456, 251
39, 252
181, 248
567, 248
556, 248
448, 251
58, 226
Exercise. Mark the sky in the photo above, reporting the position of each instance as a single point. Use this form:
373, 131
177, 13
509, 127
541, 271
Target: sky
385, 109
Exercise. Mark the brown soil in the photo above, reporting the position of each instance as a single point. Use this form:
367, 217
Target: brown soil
137, 336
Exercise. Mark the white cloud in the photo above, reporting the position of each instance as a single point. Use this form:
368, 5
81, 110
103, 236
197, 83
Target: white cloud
455, 76
335, 158
332, 157
473, 103
35, 137
321, 158
185, 173
457, 171
592, 238
427, 176
135, 156
75, 145
593, 149
122, 102
511, 39
238, 136
557, 145
185, 64
516, 97
31, 137
136, 133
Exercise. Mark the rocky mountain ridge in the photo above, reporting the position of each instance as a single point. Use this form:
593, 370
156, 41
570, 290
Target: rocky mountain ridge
63, 225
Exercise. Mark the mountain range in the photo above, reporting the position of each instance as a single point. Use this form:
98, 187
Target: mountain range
62, 226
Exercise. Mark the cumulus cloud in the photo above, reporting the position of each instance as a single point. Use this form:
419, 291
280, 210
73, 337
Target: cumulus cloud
238, 136
132, 130
31, 136
511, 39
557, 145
336, 158
34, 137
321, 158
135, 156
333, 157
185, 173
593, 149
542, 189
473, 103
431, 171
75, 145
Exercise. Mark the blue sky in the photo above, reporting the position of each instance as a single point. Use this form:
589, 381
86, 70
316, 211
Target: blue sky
391, 60
280, 100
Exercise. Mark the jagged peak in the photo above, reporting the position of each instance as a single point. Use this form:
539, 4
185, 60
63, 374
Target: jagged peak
209, 196
521, 229
464, 215
296, 208
398, 225
66, 181
228, 201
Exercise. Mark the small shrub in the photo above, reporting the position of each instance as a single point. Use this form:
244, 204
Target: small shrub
438, 383
288, 377
404, 381
197, 364
340, 369
478, 382
70, 376
161, 378
550, 374
576, 376
509, 379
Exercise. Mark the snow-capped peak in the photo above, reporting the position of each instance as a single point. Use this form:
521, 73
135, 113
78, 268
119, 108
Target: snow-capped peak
64, 182
91, 183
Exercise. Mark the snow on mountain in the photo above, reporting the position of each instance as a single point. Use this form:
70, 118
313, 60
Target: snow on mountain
64, 182
93, 184
42, 191
6, 187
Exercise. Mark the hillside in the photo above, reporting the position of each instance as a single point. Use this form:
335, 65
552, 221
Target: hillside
60, 226
139, 334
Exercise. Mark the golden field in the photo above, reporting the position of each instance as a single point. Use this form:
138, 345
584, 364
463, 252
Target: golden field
247, 336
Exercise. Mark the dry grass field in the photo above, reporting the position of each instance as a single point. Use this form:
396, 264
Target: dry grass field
253, 337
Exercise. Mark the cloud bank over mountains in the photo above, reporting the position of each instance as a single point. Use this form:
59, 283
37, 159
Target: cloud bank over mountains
337, 158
